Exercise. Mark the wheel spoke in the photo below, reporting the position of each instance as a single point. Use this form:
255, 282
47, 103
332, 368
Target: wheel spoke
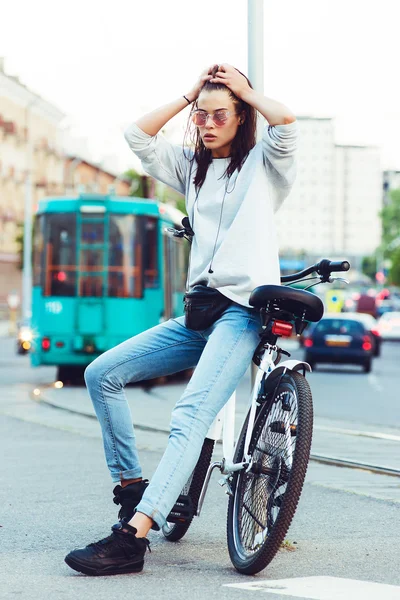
272, 457
253, 516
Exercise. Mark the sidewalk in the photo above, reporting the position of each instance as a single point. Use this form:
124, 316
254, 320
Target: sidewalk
151, 410
4, 328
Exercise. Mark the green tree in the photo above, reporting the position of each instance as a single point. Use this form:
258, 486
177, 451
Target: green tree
142, 184
394, 273
138, 183
391, 235
368, 266
390, 216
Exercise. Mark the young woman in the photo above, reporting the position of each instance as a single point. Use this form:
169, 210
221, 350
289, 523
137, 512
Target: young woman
232, 187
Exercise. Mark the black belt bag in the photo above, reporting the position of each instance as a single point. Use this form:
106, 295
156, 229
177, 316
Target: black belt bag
203, 306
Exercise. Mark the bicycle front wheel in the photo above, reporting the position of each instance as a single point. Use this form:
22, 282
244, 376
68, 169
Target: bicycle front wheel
265, 498
192, 489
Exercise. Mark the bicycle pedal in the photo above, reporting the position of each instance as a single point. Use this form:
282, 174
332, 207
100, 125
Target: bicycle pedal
279, 427
182, 511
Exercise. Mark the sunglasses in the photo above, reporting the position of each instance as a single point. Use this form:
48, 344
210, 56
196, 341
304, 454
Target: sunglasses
219, 117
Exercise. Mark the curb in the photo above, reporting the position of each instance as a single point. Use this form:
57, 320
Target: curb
82, 413
318, 458
351, 464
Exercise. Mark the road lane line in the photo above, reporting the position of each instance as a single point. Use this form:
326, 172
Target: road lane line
356, 432
374, 381
322, 588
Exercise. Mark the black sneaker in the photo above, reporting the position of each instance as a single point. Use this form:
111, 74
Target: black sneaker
129, 497
120, 552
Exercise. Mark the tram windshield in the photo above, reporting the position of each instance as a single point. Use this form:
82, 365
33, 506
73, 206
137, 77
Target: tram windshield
93, 255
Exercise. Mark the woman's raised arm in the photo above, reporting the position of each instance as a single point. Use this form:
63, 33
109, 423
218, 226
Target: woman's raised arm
152, 122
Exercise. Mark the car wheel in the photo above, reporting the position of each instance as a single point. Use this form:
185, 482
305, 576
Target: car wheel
367, 366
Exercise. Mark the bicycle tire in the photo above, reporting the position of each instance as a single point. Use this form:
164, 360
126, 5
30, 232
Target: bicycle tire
173, 532
271, 531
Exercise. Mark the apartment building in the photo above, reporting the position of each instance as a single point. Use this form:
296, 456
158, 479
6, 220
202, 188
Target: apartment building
28, 143
333, 207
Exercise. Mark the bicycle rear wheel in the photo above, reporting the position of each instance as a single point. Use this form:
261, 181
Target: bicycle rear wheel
265, 499
192, 489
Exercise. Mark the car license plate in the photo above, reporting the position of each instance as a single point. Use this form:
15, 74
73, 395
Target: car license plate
338, 340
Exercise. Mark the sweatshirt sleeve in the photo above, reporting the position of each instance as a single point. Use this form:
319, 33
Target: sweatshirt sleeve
160, 159
279, 143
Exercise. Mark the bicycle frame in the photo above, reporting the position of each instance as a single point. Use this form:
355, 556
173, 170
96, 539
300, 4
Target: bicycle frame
225, 420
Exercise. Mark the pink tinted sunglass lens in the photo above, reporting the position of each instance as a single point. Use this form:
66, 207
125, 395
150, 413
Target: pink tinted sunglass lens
199, 119
220, 119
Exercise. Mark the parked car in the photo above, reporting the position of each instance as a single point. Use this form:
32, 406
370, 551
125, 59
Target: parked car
341, 340
372, 325
389, 325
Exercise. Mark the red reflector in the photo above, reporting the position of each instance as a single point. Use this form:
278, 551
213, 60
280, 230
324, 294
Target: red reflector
282, 328
308, 343
375, 332
366, 343
45, 343
60, 344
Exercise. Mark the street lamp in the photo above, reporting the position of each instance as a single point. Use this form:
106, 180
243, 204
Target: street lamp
255, 58
255, 45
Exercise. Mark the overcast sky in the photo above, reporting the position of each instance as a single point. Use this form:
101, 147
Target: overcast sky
105, 63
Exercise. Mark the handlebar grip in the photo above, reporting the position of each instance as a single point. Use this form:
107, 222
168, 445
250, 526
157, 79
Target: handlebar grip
343, 265
325, 267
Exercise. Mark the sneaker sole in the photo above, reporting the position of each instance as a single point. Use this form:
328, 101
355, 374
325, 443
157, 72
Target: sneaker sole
82, 568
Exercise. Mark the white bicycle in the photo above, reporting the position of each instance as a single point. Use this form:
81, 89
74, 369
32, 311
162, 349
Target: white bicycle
265, 471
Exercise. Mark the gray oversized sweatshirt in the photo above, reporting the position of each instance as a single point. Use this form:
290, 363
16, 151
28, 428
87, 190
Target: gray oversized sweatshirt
241, 242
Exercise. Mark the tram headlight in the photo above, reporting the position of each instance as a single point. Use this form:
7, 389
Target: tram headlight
25, 335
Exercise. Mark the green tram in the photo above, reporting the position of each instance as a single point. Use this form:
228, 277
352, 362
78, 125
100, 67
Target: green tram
104, 269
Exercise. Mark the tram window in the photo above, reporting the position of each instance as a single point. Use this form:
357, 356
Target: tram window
91, 255
60, 255
151, 279
125, 257
38, 250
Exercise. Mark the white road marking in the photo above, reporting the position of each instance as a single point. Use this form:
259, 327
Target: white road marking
323, 588
370, 434
374, 381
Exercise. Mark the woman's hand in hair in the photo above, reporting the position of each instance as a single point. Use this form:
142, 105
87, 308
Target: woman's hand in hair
205, 76
233, 80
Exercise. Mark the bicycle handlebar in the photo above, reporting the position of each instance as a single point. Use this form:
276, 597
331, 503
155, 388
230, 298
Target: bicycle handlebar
324, 268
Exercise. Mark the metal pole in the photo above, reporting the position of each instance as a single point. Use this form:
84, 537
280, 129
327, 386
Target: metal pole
27, 265
255, 44
255, 53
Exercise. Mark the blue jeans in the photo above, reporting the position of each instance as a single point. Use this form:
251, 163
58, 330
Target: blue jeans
222, 354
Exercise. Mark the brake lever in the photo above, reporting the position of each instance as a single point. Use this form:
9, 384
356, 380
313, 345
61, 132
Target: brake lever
175, 232
342, 279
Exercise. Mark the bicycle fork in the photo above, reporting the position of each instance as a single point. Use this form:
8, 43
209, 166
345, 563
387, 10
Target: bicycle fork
225, 423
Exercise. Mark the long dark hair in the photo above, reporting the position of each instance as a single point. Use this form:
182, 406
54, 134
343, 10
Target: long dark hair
242, 143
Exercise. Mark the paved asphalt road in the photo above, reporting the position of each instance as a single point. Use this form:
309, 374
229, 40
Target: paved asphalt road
55, 494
